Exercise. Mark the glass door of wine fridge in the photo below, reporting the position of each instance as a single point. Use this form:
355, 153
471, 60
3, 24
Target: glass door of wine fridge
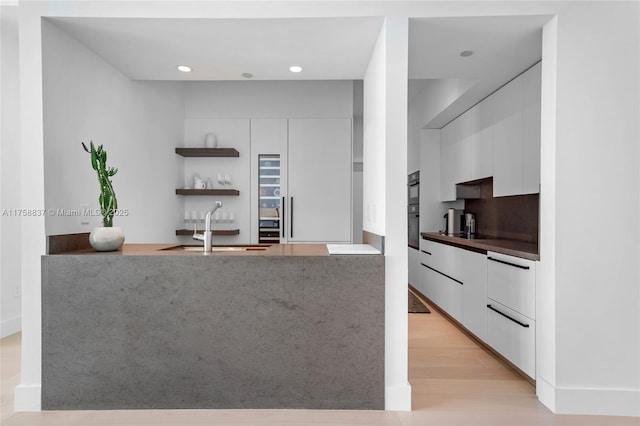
270, 220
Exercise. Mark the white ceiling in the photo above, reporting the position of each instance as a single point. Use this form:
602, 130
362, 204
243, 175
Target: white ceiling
327, 48
503, 47
223, 49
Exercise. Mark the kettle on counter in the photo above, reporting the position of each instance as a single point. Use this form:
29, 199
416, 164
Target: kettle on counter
454, 222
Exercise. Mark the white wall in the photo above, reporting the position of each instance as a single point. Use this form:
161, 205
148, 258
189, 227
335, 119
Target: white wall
10, 240
385, 172
597, 186
546, 268
139, 124
356, 155
230, 133
269, 99
373, 134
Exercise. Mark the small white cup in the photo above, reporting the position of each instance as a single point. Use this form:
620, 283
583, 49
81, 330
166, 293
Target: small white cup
200, 185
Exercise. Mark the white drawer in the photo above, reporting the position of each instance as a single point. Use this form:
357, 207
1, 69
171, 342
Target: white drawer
512, 282
443, 291
442, 257
513, 336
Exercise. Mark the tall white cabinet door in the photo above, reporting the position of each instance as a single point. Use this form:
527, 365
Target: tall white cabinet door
531, 88
319, 180
507, 143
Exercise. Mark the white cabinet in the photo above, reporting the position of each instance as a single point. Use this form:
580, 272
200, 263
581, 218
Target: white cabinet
443, 290
441, 257
474, 292
481, 152
531, 112
455, 159
455, 280
507, 139
513, 335
315, 177
511, 309
447, 165
512, 282
414, 267
516, 136
498, 137
319, 180
492, 295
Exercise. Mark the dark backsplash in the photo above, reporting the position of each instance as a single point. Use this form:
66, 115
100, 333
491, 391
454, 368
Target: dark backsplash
514, 218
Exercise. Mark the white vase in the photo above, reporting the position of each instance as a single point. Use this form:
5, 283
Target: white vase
211, 141
106, 238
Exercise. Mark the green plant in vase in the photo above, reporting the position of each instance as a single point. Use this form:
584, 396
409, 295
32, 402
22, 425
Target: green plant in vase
107, 237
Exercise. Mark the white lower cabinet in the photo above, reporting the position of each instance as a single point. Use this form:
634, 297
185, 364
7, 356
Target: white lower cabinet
442, 258
512, 282
492, 295
511, 310
513, 335
414, 267
474, 292
444, 291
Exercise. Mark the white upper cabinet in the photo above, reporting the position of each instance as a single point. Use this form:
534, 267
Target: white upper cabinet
481, 155
507, 139
498, 137
516, 136
455, 156
531, 105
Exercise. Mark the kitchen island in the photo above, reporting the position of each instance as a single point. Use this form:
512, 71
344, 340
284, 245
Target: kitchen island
149, 327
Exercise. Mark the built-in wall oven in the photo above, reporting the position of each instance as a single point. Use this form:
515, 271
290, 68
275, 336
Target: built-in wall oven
413, 210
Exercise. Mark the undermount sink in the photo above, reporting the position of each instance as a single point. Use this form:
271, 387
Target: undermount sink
217, 248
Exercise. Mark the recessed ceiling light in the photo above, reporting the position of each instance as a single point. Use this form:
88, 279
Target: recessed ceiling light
184, 68
466, 53
247, 75
295, 68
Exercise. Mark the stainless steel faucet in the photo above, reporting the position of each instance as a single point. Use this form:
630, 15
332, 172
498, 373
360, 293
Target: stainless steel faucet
207, 236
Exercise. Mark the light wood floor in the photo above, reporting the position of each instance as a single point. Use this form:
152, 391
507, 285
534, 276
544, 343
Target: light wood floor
454, 382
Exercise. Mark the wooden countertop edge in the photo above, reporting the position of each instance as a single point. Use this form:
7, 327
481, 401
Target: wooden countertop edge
525, 250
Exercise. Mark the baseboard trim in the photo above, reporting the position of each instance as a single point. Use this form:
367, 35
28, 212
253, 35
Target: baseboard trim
10, 326
397, 398
546, 393
28, 398
603, 402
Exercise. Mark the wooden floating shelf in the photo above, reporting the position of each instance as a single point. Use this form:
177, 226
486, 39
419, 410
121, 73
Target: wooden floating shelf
219, 232
207, 152
181, 191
